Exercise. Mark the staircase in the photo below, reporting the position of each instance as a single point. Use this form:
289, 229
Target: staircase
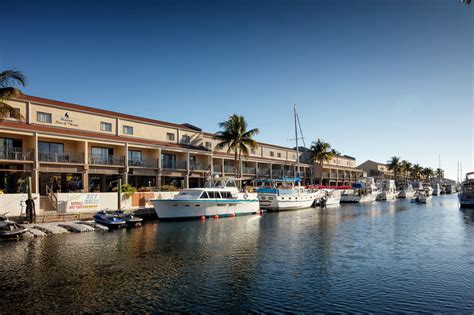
47, 206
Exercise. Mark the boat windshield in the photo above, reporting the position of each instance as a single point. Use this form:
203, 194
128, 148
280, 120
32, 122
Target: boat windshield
470, 176
190, 193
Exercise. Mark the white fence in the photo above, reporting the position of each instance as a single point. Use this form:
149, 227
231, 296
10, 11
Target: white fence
15, 205
74, 203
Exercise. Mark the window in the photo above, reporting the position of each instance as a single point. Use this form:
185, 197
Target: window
204, 195
185, 139
168, 161
279, 154
192, 161
52, 152
9, 147
105, 126
272, 154
50, 147
208, 145
170, 136
128, 130
44, 117
134, 156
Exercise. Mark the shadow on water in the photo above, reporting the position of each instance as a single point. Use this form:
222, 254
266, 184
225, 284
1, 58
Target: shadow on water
381, 257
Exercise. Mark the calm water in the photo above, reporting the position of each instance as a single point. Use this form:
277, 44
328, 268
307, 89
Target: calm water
384, 257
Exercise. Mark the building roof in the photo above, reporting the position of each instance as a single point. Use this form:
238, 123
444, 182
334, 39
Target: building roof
104, 112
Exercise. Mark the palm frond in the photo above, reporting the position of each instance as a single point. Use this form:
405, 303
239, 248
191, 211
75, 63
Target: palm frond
12, 77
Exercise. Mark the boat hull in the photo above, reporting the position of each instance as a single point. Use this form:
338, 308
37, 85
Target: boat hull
273, 202
187, 209
358, 198
465, 202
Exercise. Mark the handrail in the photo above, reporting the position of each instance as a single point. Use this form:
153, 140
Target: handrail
52, 197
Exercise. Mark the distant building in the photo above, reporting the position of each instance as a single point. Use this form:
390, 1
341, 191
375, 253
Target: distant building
339, 171
376, 169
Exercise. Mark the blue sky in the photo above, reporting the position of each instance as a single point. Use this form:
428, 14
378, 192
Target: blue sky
373, 78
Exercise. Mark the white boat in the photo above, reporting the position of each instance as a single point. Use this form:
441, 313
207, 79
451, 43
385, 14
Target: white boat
425, 195
364, 190
220, 196
407, 192
388, 190
428, 189
331, 197
466, 196
422, 197
284, 194
436, 189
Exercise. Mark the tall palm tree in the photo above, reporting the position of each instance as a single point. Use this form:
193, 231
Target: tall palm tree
321, 152
439, 173
428, 173
416, 171
406, 168
394, 165
8, 79
236, 138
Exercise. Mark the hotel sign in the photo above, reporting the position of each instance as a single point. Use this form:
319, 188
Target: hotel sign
66, 120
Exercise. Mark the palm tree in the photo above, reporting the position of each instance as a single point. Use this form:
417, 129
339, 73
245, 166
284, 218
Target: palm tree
428, 173
321, 152
8, 79
416, 171
439, 173
406, 168
236, 138
394, 165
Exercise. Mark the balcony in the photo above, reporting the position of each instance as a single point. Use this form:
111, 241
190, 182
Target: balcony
249, 170
229, 169
150, 163
277, 173
118, 160
61, 157
263, 172
17, 154
199, 166
179, 165
217, 168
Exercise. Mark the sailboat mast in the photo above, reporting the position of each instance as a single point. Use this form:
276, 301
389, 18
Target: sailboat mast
297, 149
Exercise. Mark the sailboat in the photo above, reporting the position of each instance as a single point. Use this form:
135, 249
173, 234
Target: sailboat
286, 193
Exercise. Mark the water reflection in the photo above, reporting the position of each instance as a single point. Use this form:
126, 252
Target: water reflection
383, 257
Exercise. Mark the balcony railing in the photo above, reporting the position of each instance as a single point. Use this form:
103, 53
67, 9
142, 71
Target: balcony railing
150, 163
17, 154
289, 173
249, 170
179, 165
199, 166
277, 173
61, 157
263, 172
229, 169
107, 160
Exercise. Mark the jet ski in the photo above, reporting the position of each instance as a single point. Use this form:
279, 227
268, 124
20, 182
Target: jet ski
108, 219
130, 219
9, 229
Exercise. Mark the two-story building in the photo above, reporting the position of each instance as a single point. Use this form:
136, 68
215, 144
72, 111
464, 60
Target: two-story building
339, 171
70, 147
376, 169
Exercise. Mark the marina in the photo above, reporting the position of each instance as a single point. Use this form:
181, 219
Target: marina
354, 257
